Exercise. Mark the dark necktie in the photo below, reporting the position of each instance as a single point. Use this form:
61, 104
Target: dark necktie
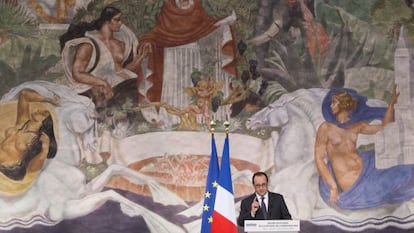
263, 207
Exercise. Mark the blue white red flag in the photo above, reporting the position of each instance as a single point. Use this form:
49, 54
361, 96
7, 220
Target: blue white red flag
211, 188
224, 216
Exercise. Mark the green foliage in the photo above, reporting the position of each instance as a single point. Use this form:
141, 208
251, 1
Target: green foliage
359, 9
139, 15
277, 61
273, 92
15, 21
362, 34
91, 12
246, 11
32, 67
389, 15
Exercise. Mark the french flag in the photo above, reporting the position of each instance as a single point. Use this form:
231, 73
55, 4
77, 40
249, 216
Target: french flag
224, 216
211, 188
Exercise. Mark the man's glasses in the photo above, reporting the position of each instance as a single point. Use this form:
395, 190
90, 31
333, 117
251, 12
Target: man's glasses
260, 185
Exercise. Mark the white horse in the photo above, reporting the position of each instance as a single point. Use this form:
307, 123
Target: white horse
297, 114
61, 191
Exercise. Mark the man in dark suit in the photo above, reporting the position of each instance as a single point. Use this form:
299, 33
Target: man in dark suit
262, 204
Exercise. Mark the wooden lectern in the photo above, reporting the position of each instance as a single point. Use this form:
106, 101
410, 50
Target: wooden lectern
268, 226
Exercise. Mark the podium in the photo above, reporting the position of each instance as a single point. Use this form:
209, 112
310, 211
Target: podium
268, 226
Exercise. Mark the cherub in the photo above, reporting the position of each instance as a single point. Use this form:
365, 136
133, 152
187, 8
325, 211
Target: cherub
202, 95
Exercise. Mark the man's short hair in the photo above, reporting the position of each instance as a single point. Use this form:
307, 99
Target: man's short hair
260, 174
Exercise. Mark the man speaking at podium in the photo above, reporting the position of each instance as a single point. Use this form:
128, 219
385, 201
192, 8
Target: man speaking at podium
262, 204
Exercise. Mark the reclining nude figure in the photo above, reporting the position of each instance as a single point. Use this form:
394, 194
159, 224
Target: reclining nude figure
349, 179
54, 187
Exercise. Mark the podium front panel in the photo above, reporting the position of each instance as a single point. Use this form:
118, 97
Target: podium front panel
266, 226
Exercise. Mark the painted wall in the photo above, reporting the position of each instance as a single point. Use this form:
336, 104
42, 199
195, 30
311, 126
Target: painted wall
138, 163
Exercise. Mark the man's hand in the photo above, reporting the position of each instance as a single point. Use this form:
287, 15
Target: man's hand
143, 51
54, 100
255, 206
107, 91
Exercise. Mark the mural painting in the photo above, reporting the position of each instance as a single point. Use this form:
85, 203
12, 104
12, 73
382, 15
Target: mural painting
107, 109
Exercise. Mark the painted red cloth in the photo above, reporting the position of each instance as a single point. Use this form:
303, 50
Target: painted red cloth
174, 27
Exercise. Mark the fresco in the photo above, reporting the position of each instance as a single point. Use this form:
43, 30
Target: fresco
106, 111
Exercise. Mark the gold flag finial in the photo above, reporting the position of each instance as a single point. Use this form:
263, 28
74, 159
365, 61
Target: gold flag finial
212, 126
226, 125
